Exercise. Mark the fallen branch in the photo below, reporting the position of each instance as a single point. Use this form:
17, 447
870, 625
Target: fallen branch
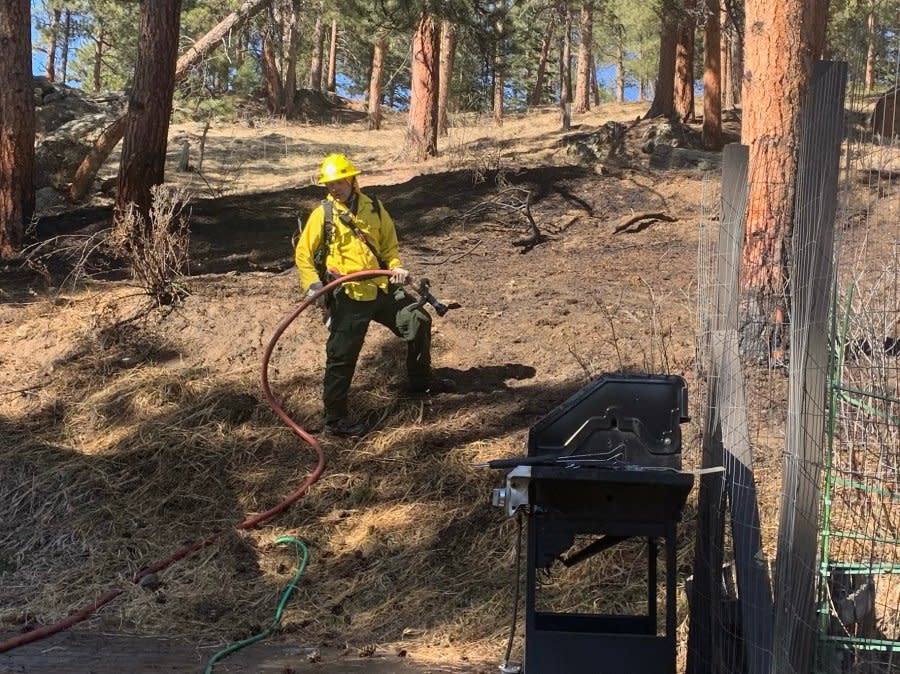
646, 218
455, 257
22, 391
515, 200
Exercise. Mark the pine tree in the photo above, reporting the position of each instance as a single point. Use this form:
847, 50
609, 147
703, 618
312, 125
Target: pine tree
149, 107
779, 52
17, 121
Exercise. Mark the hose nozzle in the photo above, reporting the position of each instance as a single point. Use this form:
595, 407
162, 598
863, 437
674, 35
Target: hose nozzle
425, 294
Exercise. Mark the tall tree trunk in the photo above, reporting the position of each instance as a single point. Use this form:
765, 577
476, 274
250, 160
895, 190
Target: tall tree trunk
712, 79
98, 58
64, 48
497, 105
537, 94
565, 67
782, 43
290, 64
332, 59
379, 54
725, 34
111, 136
585, 48
315, 66
664, 92
50, 67
684, 62
421, 131
595, 86
620, 63
17, 122
449, 32
737, 68
499, 61
274, 93
149, 106
870, 52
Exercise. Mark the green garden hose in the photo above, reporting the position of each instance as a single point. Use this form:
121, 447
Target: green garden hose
278, 611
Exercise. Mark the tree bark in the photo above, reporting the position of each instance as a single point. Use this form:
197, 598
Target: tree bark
149, 107
315, 65
684, 62
725, 78
50, 66
565, 62
289, 94
583, 78
537, 94
736, 54
499, 61
664, 92
111, 136
620, 63
64, 48
378, 56
332, 59
271, 76
16, 125
421, 132
782, 41
595, 86
98, 58
449, 32
870, 52
712, 79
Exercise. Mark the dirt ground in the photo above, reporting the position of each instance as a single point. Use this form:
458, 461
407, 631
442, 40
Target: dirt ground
128, 431
90, 653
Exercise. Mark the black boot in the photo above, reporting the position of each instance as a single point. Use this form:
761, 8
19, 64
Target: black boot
346, 428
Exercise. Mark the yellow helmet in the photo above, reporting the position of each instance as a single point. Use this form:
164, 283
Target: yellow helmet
336, 167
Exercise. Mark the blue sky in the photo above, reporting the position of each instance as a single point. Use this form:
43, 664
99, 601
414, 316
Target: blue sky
38, 60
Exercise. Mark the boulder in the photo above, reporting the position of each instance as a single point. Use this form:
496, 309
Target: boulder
886, 116
48, 199
67, 122
57, 155
668, 157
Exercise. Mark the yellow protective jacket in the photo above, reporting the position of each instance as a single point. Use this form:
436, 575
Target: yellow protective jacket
347, 254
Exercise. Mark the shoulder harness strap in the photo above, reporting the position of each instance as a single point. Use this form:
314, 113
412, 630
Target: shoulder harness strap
376, 207
347, 219
320, 256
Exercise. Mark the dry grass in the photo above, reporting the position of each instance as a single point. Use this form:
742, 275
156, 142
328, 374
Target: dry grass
126, 459
121, 467
273, 154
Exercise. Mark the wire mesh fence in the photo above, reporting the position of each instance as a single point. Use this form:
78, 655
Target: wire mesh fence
797, 560
859, 580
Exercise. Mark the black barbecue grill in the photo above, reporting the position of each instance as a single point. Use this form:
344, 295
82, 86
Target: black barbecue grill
602, 468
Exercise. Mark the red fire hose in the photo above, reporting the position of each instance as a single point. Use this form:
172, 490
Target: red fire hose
249, 523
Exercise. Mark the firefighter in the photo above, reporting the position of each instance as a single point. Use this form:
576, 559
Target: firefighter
350, 232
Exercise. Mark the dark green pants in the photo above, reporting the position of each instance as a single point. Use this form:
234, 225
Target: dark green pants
349, 323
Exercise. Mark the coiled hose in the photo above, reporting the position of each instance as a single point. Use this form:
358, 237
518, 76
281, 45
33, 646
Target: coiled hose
249, 523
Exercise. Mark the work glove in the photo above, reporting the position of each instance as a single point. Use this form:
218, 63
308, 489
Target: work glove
313, 289
399, 275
